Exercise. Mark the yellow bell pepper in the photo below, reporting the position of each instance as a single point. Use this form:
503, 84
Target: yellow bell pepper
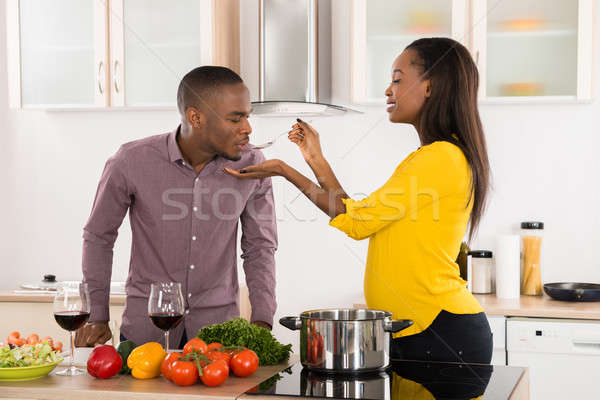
145, 360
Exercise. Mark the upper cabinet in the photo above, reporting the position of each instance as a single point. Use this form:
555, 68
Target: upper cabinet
57, 60
534, 50
526, 50
117, 53
381, 31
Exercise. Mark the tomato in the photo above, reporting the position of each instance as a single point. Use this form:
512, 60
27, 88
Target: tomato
219, 355
244, 363
184, 373
233, 351
33, 339
57, 346
48, 339
215, 373
214, 346
167, 364
195, 344
16, 341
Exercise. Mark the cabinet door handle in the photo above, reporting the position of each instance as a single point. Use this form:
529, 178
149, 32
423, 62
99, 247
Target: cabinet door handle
99, 77
115, 76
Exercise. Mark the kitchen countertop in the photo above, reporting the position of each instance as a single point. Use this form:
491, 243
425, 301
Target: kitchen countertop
532, 306
53, 387
46, 297
510, 383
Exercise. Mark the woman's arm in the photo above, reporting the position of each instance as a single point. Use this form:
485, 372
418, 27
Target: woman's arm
328, 201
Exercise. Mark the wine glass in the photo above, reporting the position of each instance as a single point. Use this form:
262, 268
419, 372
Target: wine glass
71, 312
165, 307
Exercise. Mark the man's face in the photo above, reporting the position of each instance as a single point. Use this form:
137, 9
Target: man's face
227, 126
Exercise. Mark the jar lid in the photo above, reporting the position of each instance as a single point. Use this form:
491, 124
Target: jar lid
480, 253
532, 225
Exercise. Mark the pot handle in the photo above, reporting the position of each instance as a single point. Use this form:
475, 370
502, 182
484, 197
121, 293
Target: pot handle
293, 323
396, 325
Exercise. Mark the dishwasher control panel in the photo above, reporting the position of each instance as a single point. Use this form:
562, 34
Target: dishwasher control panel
552, 335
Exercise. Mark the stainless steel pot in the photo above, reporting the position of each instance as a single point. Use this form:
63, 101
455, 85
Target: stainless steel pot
345, 340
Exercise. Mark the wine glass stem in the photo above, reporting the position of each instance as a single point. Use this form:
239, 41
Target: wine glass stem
72, 362
167, 341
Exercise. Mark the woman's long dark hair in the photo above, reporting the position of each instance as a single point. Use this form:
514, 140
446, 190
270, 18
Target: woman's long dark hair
452, 109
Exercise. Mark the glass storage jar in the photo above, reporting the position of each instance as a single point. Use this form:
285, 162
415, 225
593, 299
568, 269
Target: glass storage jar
531, 254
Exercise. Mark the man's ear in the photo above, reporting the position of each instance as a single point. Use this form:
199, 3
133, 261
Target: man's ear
195, 118
428, 85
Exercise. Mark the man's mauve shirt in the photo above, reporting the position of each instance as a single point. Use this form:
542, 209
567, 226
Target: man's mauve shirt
184, 229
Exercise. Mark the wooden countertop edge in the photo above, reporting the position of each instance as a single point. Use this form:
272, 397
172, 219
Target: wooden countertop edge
521, 390
124, 387
533, 306
7, 296
265, 397
45, 394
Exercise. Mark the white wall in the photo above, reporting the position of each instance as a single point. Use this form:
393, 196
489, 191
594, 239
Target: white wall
543, 160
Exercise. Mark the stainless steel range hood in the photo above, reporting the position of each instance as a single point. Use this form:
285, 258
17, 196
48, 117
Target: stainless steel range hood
295, 59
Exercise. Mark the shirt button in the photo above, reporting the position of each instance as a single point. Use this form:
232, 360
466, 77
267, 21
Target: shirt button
193, 237
196, 180
189, 295
187, 311
195, 209
192, 266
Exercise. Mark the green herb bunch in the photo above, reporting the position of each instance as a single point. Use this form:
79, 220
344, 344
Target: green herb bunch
240, 332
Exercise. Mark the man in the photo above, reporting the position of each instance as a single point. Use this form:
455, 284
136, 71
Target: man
184, 212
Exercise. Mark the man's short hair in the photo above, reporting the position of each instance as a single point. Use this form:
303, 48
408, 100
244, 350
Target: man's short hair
198, 85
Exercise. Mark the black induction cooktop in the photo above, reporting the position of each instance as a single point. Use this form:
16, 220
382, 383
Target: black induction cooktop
403, 380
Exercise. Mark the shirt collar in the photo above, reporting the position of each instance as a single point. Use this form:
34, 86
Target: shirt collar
175, 154
173, 147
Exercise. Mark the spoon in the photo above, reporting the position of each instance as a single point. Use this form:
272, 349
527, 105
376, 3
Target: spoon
270, 142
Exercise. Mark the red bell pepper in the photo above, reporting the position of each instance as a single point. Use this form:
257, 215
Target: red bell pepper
104, 362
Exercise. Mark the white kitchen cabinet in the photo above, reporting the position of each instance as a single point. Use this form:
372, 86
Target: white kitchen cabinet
562, 356
498, 327
56, 53
534, 50
525, 50
97, 54
381, 29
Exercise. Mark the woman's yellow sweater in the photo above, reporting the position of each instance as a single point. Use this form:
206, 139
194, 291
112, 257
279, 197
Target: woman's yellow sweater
415, 224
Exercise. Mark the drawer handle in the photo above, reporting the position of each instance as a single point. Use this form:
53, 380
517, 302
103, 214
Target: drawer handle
592, 346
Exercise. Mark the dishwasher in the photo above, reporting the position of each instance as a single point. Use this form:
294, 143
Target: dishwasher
563, 356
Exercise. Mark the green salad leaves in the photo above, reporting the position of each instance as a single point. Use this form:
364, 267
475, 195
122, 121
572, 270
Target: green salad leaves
28, 355
240, 332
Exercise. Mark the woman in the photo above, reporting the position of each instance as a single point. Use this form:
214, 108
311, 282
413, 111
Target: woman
417, 220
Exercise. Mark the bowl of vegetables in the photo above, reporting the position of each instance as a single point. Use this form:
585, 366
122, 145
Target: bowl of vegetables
30, 361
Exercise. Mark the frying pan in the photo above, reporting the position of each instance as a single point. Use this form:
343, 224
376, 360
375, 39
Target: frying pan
573, 291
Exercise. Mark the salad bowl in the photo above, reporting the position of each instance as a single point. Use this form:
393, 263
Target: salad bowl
27, 362
27, 373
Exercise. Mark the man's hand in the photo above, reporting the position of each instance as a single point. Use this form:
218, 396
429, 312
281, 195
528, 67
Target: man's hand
263, 324
93, 333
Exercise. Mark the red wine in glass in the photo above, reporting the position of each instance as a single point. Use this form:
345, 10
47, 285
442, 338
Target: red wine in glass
165, 306
166, 321
71, 320
71, 311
